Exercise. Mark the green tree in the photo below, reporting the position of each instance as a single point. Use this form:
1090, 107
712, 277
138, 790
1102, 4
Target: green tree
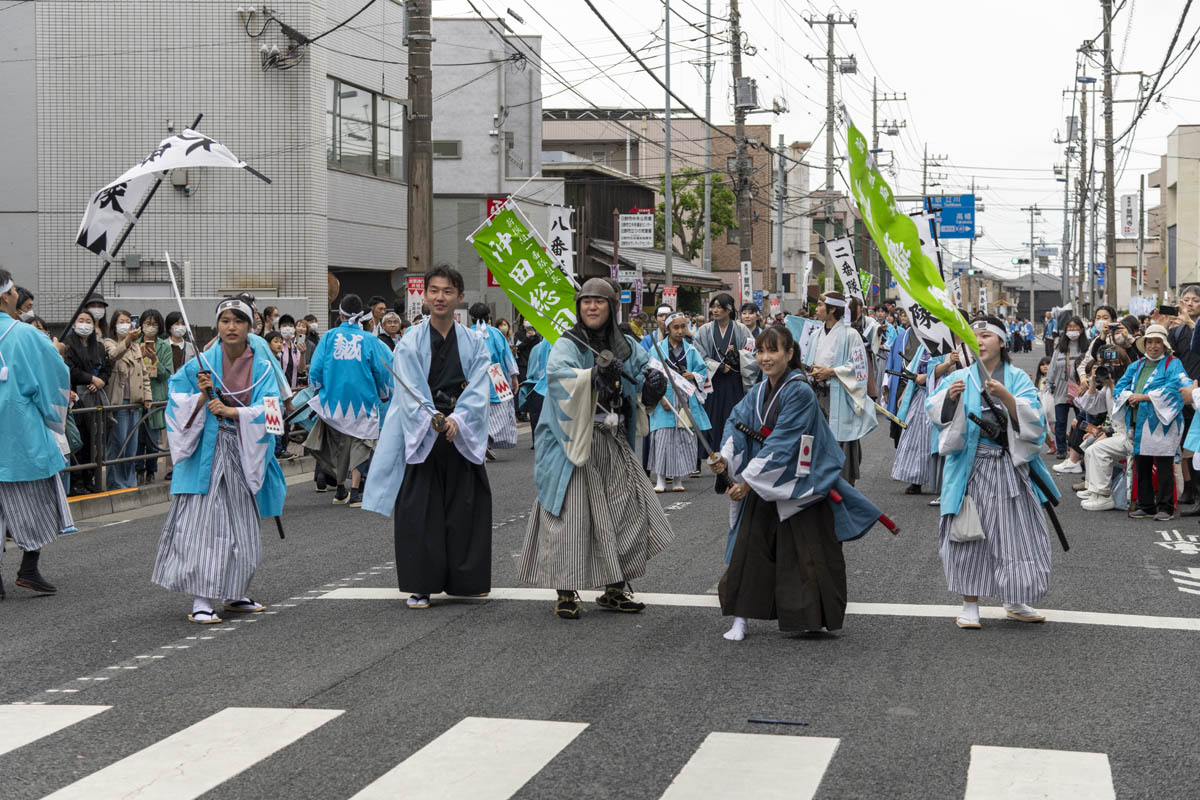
687, 210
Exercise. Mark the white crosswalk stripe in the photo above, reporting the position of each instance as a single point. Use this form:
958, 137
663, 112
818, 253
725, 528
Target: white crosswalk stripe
1017, 773
765, 767
22, 724
478, 759
199, 758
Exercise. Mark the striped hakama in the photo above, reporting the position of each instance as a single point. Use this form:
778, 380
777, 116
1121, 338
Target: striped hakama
672, 452
1012, 564
337, 453
502, 425
611, 523
210, 545
33, 513
914, 463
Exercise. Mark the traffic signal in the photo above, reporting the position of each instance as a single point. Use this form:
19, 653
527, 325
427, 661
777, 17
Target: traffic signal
1018, 261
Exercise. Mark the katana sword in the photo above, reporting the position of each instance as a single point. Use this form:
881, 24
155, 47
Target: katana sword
209, 393
713, 458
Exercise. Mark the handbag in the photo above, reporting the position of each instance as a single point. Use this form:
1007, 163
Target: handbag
966, 527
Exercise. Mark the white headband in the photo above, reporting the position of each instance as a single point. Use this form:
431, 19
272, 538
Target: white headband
990, 328
354, 318
833, 301
663, 310
677, 315
6, 287
236, 305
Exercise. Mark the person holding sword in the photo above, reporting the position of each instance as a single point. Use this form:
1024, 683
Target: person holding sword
673, 442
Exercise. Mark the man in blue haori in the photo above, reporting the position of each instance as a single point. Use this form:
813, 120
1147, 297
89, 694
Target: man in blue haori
349, 373
429, 466
34, 390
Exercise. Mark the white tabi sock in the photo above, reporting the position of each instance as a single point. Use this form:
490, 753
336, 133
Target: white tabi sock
201, 604
661, 486
970, 611
738, 631
1021, 608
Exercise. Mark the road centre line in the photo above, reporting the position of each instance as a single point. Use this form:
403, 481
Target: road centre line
864, 609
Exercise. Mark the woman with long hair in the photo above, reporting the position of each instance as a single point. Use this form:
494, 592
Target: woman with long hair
1072, 346
91, 370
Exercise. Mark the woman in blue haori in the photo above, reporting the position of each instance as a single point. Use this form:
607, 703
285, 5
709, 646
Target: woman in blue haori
596, 520
502, 414
993, 534
1150, 398
34, 390
225, 474
837, 362
672, 443
350, 376
796, 509
429, 469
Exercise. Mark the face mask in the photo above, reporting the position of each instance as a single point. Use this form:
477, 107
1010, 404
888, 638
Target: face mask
287, 333
150, 331
28, 316
1072, 335
84, 329
179, 331
313, 327
96, 311
1121, 339
122, 328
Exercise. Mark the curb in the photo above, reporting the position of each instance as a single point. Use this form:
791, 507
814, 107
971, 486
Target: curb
91, 506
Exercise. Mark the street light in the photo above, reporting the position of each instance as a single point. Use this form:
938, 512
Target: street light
1084, 79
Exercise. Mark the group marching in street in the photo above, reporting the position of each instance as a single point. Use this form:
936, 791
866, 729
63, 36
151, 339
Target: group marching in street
403, 417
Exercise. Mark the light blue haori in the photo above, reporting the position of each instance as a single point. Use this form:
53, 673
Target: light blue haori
851, 412
1159, 423
34, 389
650, 338
535, 372
918, 365
499, 353
777, 470
192, 448
349, 371
661, 417
563, 439
959, 438
408, 435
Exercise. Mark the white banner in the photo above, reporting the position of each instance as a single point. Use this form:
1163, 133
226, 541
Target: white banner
670, 296
416, 296
841, 253
115, 206
955, 287
775, 305
1130, 218
983, 299
561, 238
934, 333
746, 284
636, 230
927, 229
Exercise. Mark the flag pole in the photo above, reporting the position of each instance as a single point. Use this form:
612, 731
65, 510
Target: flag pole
110, 256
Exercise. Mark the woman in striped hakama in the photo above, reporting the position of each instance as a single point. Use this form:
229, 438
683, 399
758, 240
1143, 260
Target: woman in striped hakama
993, 534
34, 387
502, 413
672, 443
596, 521
225, 473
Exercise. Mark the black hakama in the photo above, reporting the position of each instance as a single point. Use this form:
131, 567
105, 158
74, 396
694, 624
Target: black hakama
727, 392
792, 570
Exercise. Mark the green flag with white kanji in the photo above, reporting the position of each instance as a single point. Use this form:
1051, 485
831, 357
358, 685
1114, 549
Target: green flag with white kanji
896, 236
526, 272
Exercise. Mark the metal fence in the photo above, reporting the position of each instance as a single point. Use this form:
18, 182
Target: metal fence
98, 433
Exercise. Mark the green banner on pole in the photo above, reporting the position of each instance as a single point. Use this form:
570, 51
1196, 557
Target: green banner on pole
527, 274
895, 234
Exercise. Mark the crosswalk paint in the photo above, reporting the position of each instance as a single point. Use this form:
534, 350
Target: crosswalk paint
762, 766
478, 759
22, 724
1017, 773
187, 764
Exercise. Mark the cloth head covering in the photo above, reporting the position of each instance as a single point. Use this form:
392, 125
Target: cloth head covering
238, 306
609, 337
1154, 332
984, 325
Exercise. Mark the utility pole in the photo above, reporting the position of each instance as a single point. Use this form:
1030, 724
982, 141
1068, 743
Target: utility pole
668, 219
1110, 200
926, 162
1065, 292
1084, 187
970, 255
1141, 247
1034, 211
781, 194
420, 136
848, 66
740, 105
708, 65
894, 125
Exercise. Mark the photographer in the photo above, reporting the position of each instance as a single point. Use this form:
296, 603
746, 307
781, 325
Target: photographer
1071, 347
1111, 440
1113, 346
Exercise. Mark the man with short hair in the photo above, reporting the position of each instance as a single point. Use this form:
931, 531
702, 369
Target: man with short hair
430, 470
378, 308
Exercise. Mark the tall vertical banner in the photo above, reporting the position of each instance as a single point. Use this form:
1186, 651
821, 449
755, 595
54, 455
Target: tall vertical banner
526, 272
561, 236
746, 283
841, 253
983, 299
416, 296
955, 288
927, 222
899, 243
1130, 222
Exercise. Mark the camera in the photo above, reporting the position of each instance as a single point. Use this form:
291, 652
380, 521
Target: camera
1103, 373
1107, 354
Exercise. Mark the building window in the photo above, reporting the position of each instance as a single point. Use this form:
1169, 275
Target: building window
447, 149
365, 131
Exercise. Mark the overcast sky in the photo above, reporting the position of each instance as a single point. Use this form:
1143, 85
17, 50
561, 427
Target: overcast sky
984, 82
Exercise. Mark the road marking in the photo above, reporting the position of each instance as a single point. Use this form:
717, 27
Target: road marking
478, 759
864, 609
765, 767
1016, 773
189, 763
22, 724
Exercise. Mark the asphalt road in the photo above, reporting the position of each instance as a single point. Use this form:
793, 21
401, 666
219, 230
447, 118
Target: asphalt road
899, 704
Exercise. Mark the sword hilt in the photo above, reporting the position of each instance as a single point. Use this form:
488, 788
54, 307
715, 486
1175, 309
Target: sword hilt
439, 422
